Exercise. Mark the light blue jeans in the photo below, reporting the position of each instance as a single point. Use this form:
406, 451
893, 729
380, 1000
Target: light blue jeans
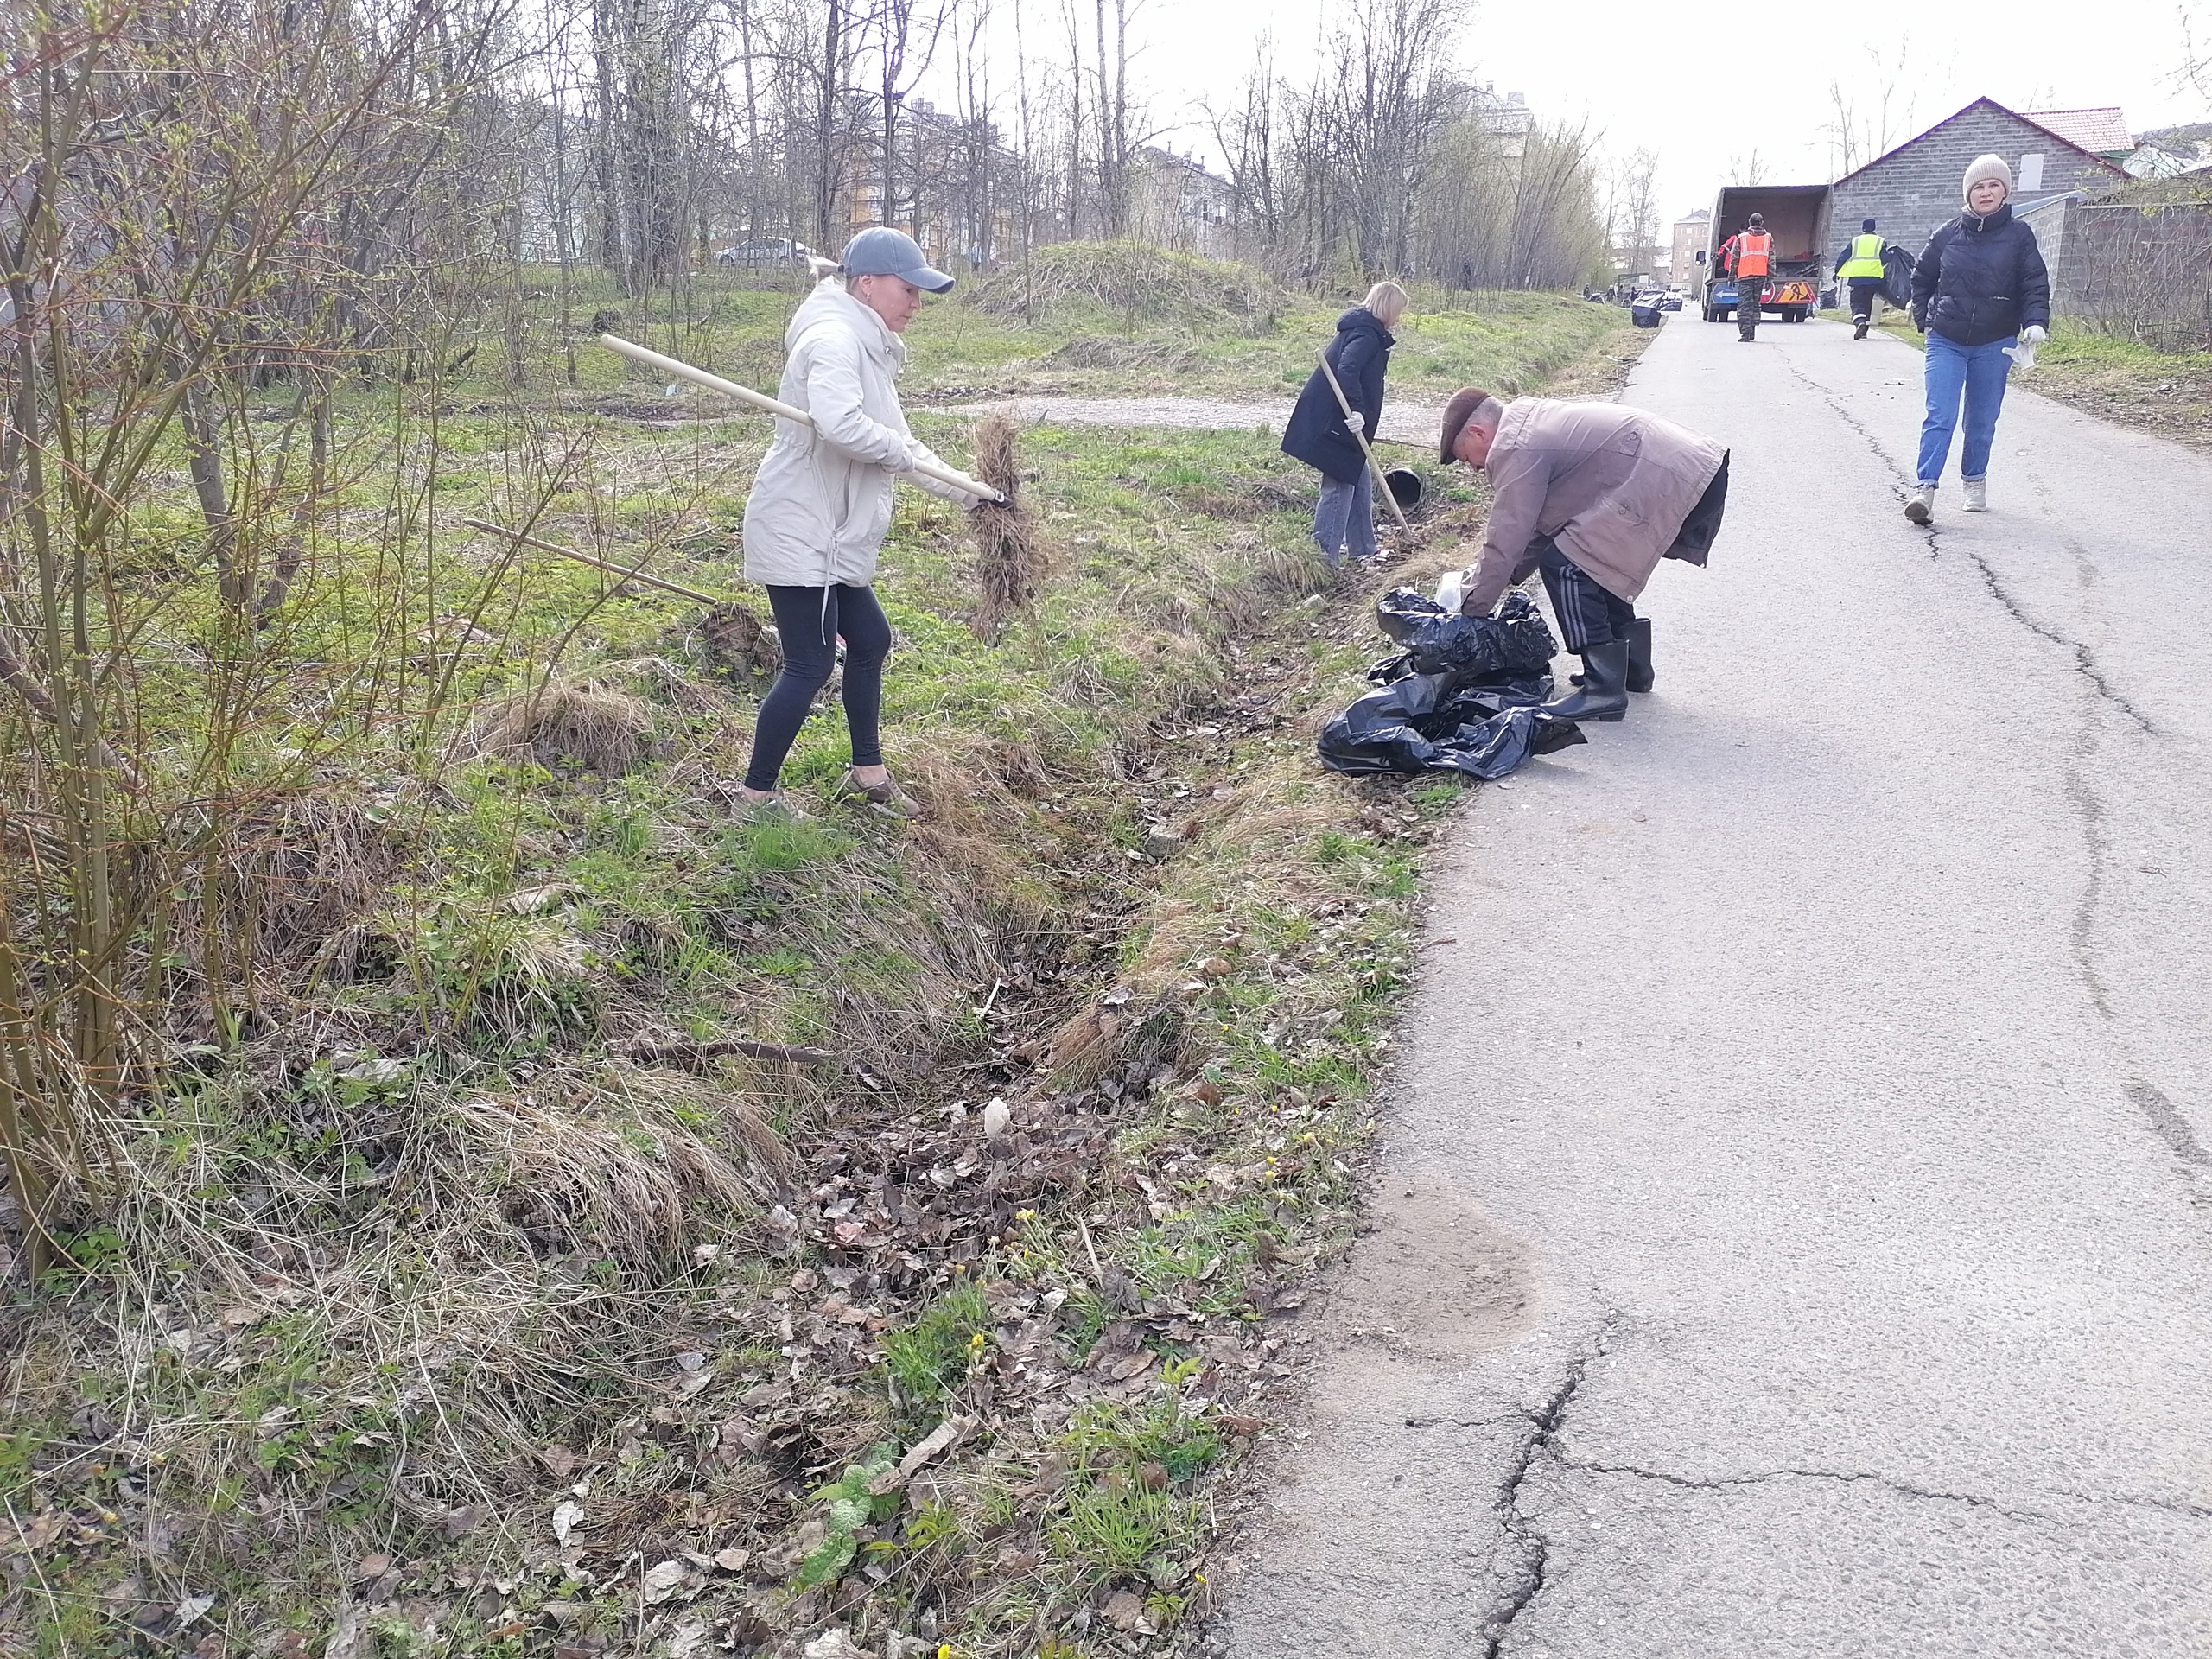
1343, 518
1977, 373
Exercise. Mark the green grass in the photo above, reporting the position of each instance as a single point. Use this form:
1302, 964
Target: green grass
453, 1223
929, 1356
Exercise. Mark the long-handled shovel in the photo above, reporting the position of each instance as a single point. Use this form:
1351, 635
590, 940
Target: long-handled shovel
761, 401
1359, 436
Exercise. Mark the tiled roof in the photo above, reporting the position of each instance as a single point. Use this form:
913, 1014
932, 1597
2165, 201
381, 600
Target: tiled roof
2099, 131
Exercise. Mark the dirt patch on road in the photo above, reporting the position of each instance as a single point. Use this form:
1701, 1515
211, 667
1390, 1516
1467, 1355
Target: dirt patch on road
1436, 1281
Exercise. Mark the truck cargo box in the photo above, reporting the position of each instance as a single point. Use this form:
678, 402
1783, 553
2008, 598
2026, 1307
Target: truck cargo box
1797, 216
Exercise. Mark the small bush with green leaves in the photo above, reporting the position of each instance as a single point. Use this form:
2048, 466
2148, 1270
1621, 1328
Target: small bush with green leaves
852, 1507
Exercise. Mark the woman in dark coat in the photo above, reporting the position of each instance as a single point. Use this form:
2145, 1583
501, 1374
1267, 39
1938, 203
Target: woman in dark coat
1982, 296
1318, 434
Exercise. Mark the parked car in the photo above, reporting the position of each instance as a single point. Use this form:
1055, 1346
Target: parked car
763, 253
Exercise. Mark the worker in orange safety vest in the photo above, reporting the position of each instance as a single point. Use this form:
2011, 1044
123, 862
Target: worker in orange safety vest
1748, 256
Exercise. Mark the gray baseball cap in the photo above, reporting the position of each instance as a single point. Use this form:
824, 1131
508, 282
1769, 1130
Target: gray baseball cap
880, 250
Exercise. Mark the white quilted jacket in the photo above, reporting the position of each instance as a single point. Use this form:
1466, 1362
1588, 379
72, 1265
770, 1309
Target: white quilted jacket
822, 501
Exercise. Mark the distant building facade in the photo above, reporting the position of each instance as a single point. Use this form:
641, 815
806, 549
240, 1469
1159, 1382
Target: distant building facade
1176, 203
1913, 191
1691, 232
2171, 153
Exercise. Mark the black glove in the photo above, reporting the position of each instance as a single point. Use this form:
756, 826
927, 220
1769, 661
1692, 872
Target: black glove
1920, 318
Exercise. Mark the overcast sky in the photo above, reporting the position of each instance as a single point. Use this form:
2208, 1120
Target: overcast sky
1689, 82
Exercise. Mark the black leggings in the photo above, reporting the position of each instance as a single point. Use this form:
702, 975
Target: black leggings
808, 628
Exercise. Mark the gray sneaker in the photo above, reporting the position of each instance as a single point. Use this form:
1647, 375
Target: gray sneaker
886, 797
1920, 506
777, 805
1977, 494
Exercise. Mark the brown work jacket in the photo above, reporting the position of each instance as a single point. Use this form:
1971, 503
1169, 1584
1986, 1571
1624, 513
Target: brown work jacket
1610, 484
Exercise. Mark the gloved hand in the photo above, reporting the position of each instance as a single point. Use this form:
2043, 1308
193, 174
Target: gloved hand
2035, 334
1356, 422
1920, 318
2024, 353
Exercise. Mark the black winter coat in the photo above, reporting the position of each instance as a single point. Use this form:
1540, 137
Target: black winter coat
1981, 280
1317, 433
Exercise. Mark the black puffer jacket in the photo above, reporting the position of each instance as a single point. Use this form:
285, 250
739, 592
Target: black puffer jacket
1316, 434
1981, 279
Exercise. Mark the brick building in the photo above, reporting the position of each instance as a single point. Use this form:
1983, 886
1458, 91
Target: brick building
1693, 234
1913, 190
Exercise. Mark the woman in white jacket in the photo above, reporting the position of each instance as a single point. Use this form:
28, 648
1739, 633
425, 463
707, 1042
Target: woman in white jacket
819, 508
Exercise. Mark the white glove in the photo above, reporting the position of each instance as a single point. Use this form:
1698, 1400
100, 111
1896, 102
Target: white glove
2034, 334
1356, 422
2023, 354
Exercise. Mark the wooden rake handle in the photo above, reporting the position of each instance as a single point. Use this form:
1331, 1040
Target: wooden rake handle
1360, 436
781, 411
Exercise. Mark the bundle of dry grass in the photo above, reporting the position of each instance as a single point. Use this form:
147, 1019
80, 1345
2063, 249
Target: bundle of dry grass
589, 727
1009, 558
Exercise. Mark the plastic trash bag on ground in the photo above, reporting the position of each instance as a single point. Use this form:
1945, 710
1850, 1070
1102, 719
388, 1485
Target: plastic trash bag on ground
1517, 640
1466, 696
1404, 728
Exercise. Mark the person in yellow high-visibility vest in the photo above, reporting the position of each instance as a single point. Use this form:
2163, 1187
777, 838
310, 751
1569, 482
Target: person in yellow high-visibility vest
1859, 267
1748, 256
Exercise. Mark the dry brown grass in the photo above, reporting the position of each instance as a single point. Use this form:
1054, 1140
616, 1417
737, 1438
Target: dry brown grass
1011, 558
587, 725
611, 1170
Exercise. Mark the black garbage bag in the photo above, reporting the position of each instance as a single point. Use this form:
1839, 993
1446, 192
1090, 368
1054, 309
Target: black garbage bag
1489, 749
1516, 641
1428, 723
1897, 277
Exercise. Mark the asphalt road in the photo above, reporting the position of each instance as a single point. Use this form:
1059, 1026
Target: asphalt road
1796, 1233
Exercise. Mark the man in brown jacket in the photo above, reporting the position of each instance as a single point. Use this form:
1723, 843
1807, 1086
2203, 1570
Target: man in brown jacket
1593, 495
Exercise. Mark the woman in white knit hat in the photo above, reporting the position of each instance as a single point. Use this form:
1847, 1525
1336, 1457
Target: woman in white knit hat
1980, 293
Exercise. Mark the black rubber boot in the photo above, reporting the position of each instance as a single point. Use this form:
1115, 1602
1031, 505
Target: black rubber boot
1639, 654
1603, 695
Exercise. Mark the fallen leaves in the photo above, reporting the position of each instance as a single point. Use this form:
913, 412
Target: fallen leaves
568, 1519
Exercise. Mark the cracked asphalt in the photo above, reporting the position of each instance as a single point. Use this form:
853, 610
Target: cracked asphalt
1795, 1231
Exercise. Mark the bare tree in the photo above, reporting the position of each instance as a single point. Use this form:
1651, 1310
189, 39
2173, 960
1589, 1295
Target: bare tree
1860, 127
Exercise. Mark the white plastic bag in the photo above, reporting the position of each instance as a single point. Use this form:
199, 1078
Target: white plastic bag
1449, 589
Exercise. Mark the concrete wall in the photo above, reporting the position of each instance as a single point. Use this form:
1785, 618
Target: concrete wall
1914, 191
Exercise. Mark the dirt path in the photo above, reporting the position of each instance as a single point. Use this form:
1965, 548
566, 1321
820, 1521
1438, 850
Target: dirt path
1410, 422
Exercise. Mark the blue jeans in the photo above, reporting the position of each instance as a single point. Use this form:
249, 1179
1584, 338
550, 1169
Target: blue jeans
1343, 518
1978, 372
